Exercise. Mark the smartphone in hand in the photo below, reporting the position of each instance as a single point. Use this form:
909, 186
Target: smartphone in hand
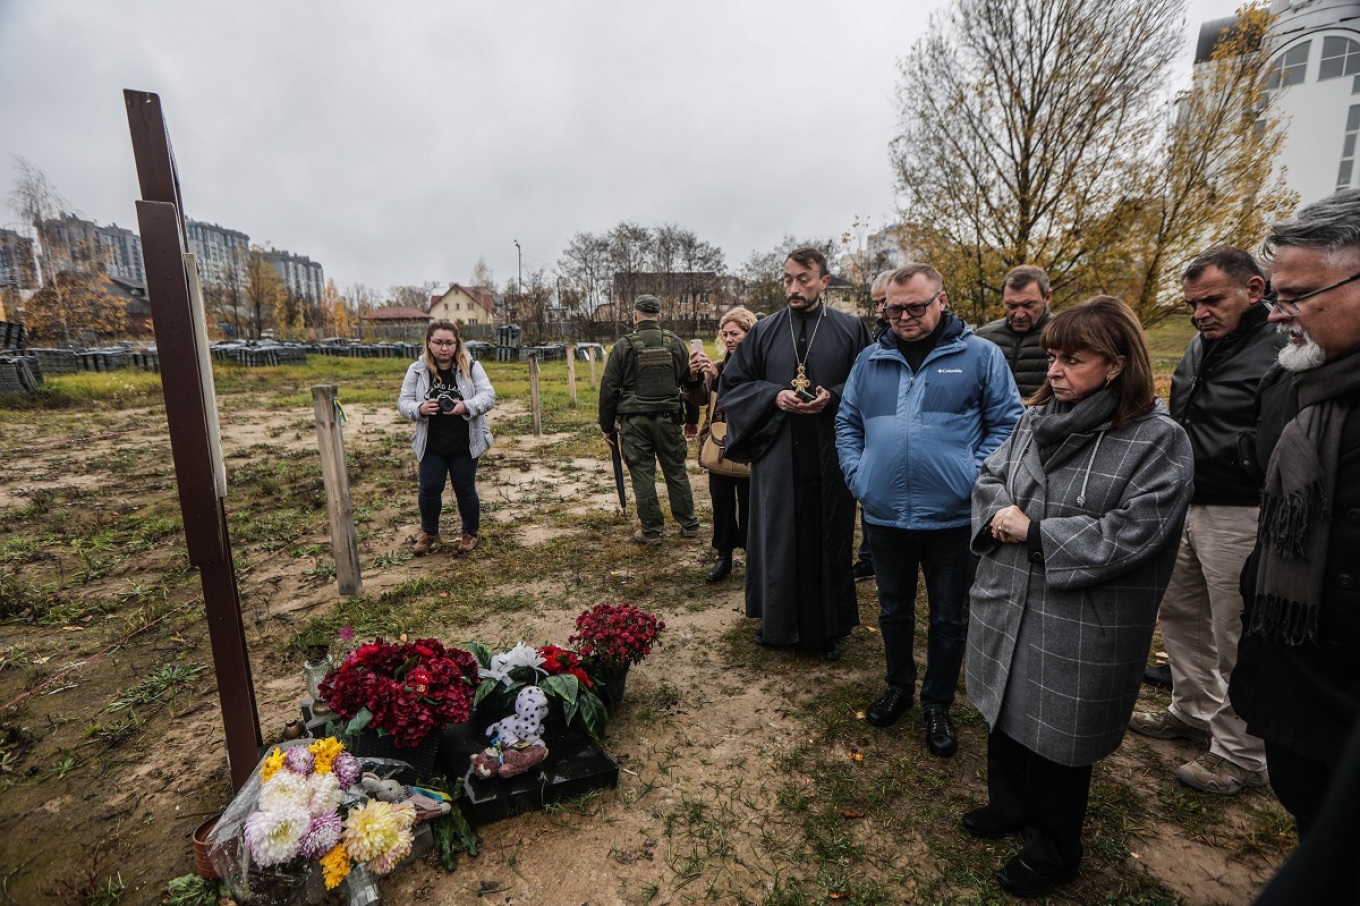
696, 346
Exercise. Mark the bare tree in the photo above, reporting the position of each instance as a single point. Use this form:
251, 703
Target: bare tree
40, 206
1022, 124
264, 293
483, 277
413, 296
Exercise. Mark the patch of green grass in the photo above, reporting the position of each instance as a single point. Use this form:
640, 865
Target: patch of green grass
158, 688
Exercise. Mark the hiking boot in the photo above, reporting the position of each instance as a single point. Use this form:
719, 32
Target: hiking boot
941, 737
642, 537
1212, 773
1165, 725
690, 532
467, 544
425, 542
862, 570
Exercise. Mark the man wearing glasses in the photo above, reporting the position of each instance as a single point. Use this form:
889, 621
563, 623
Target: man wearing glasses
1213, 398
1025, 294
1297, 679
923, 407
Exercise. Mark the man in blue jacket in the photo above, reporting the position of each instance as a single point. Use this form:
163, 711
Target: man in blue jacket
923, 407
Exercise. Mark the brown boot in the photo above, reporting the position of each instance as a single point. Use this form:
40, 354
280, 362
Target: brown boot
425, 542
467, 544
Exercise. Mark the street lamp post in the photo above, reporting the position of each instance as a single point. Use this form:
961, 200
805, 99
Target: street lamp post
519, 274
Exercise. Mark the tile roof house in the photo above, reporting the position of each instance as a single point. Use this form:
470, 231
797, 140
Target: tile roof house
465, 305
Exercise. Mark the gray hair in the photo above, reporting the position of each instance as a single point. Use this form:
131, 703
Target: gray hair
1331, 224
1234, 262
902, 276
880, 283
1017, 278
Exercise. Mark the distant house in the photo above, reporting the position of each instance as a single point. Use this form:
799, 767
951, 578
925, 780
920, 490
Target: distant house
464, 305
841, 296
132, 293
396, 323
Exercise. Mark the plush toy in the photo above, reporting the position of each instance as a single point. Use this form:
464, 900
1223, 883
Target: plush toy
385, 790
531, 706
516, 741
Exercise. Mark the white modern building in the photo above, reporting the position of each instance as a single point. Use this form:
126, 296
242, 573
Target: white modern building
1314, 77
121, 252
301, 276
218, 251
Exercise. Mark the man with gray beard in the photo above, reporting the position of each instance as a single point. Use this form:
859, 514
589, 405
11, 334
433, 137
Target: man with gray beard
1297, 678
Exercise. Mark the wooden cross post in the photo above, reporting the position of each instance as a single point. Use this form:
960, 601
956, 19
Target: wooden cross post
344, 541
192, 415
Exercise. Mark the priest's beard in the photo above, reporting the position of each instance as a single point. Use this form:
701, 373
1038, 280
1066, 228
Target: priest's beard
1303, 356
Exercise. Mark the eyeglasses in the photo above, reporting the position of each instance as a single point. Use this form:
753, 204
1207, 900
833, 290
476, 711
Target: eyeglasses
915, 309
443, 342
1291, 306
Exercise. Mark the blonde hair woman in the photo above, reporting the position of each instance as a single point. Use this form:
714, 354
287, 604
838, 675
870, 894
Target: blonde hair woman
730, 496
447, 395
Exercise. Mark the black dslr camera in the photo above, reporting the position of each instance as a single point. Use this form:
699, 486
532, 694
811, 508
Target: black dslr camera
446, 402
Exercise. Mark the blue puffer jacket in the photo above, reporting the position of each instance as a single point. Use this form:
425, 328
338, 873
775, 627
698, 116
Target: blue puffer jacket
911, 444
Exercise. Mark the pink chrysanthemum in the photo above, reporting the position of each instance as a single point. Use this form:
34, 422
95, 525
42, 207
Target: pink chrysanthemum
321, 836
347, 770
299, 760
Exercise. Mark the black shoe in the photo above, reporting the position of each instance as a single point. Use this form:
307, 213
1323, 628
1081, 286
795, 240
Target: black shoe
885, 711
831, 650
1020, 880
862, 570
941, 738
984, 825
1158, 677
721, 569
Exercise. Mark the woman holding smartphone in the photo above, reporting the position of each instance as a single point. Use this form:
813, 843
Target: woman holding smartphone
730, 496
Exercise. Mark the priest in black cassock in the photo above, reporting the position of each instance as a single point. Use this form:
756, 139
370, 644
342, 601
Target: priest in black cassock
780, 390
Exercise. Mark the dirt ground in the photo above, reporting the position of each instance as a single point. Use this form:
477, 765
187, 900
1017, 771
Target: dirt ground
701, 742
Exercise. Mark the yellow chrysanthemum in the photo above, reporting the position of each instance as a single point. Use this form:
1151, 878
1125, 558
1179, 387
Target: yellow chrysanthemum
377, 827
324, 752
272, 765
335, 866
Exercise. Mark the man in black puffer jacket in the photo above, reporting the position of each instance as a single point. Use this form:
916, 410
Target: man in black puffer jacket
1213, 399
1025, 293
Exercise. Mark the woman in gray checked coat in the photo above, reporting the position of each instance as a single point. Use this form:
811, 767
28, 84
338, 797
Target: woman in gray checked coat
1076, 518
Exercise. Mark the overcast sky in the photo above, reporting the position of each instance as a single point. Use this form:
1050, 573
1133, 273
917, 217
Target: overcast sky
395, 143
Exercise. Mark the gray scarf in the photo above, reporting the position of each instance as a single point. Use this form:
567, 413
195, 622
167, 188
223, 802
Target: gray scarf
1296, 504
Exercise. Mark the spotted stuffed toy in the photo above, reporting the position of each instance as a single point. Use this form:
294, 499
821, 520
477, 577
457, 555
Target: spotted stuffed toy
525, 725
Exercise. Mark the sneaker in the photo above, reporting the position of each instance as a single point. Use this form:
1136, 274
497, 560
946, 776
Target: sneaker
941, 737
690, 532
1165, 725
467, 544
425, 542
862, 570
1212, 773
890, 705
642, 537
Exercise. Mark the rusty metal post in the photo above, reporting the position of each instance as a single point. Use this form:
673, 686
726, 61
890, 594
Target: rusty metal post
191, 418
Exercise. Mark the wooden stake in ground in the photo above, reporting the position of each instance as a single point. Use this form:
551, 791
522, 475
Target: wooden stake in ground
571, 373
533, 394
189, 411
344, 541
591, 353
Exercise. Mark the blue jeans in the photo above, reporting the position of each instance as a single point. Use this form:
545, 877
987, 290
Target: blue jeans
463, 471
943, 555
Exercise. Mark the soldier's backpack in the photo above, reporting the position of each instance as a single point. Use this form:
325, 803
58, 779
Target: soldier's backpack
656, 383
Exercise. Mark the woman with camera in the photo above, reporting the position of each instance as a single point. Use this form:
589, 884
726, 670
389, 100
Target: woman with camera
730, 494
447, 395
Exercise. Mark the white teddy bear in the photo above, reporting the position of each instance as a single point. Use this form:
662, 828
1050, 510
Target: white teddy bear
524, 726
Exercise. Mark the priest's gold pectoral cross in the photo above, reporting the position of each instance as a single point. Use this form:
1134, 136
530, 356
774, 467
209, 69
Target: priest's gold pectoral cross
800, 384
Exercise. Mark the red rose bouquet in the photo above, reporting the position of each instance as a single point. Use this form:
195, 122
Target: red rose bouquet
616, 636
405, 689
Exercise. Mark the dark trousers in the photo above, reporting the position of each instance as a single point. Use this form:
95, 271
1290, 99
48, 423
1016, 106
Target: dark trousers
864, 554
731, 511
463, 471
1299, 782
1048, 799
900, 556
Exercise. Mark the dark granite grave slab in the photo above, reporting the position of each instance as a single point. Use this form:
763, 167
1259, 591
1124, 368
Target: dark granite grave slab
575, 765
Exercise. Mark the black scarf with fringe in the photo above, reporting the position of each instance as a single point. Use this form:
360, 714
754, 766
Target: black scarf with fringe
1296, 505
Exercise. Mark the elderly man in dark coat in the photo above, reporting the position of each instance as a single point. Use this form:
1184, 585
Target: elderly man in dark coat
781, 390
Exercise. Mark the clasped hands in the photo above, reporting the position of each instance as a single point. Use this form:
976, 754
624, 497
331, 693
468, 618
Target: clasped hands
788, 401
1010, 525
